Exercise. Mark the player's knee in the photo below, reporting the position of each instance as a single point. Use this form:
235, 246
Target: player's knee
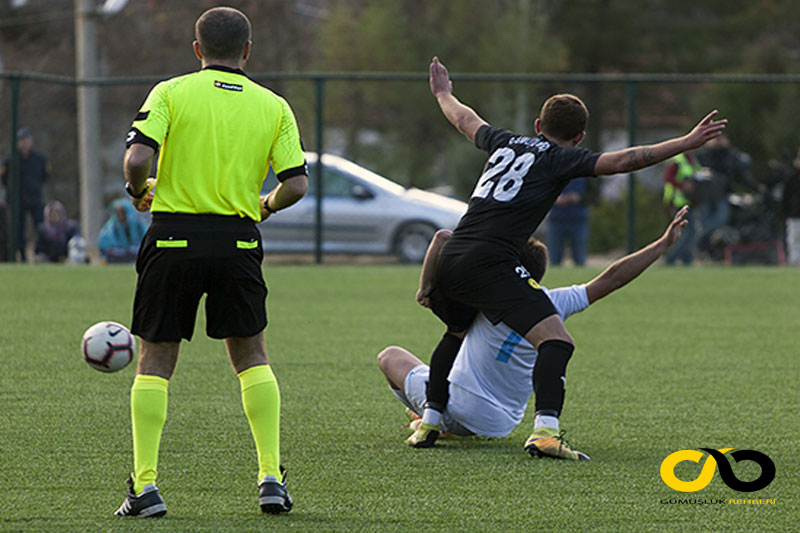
386, 356
564, 336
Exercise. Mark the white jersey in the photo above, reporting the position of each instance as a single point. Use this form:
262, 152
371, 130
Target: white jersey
495, 363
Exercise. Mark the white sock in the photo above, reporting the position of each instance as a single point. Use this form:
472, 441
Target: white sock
432, 417
545, 421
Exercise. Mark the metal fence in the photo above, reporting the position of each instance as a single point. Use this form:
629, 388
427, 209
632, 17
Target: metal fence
343, 113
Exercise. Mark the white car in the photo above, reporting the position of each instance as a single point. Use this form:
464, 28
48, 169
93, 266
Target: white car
362, 213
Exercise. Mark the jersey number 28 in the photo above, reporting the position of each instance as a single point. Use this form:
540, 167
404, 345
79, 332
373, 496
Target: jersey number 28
505, 175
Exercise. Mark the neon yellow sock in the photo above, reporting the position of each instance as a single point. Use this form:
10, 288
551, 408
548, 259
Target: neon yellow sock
148, 413
261, 399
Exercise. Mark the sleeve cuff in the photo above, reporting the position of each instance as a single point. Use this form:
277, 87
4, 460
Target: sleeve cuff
480, 141
291, 172
137, 137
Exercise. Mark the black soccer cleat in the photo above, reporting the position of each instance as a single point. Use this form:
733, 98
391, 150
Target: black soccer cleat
148, 504
273, 496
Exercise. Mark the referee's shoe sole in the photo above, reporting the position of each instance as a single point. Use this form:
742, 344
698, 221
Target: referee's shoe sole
148, 504
273, 497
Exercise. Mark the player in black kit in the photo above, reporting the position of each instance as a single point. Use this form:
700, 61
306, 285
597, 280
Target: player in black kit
479, 268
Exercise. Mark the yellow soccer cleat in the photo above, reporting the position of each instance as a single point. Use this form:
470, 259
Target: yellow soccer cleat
414, 425
424, 435
547, 442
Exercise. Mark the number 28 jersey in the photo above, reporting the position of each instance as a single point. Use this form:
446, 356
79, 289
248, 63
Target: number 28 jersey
520, 182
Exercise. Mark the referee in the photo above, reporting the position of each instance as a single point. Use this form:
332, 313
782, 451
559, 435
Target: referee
218, 132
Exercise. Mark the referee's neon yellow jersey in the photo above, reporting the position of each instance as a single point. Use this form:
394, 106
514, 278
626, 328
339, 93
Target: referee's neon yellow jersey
218, 132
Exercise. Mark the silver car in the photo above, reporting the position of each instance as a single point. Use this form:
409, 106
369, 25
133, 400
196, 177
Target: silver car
362, 213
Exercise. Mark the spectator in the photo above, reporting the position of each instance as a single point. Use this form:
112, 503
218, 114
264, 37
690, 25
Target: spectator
4, 216
678, 178
122, 234
728, 167
54, 234
791, 211
569, 221
33, 171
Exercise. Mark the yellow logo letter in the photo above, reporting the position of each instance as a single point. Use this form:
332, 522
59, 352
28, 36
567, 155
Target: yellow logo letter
672, 481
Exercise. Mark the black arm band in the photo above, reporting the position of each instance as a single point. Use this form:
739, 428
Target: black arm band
137, 137
291, 172
130, 192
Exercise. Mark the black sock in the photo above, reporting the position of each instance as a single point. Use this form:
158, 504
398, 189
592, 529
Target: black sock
441, 363
548, 374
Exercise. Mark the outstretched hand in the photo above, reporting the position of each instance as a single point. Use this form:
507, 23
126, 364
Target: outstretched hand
675, 227
439, 78
706, 129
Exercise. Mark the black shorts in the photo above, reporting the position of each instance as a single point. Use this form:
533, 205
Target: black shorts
184, 256
503, 290
457, 316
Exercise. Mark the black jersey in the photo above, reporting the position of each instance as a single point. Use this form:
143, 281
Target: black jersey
520, 182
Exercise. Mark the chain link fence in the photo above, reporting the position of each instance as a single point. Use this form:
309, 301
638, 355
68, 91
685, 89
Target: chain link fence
388, 123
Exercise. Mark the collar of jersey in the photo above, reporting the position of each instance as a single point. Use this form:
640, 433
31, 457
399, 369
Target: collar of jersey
223, 68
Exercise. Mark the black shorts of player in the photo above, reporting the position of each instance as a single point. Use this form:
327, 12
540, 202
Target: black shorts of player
503, 290
457, 316
184, 256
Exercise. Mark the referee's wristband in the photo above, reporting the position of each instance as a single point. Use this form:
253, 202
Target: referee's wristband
267, 208
132, 194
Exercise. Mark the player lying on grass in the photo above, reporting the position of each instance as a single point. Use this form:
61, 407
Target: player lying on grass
479, 267
490, 382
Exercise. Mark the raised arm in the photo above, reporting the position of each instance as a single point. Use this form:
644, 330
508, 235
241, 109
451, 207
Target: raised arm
624, 270
638, 157
429, 266
464, 118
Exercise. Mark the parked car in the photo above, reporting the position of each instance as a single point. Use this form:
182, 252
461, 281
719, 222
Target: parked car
362, 213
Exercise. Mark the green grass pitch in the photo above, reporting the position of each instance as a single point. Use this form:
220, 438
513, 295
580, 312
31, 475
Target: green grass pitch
681, 359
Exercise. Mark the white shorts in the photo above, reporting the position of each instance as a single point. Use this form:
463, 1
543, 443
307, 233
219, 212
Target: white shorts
466, 414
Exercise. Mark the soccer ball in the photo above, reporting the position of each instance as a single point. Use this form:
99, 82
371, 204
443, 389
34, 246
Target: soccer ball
108, 346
